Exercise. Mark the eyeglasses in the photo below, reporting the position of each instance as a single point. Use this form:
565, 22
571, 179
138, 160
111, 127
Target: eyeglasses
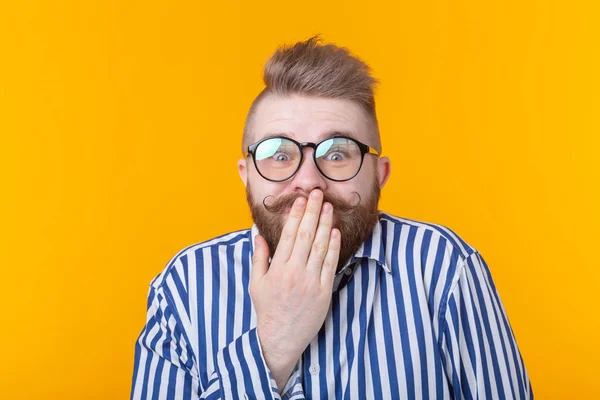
337, 158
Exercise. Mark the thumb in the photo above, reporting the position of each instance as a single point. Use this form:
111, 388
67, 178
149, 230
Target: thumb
260, 259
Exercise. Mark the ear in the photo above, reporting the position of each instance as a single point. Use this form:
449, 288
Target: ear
243, 170
384, 169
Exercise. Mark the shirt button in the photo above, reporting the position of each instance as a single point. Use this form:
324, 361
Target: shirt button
314, 369
348, 271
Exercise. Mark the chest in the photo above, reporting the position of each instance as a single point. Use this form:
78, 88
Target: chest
379, 340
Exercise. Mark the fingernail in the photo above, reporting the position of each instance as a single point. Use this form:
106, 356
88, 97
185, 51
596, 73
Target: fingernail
300, 201
326, 207
315, 195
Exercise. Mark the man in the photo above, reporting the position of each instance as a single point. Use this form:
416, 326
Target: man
325, 297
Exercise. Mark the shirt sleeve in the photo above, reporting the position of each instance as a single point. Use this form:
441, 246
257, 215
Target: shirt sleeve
165, 366
479, 349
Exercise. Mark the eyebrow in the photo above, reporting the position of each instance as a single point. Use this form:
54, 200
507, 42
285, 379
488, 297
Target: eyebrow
325, 135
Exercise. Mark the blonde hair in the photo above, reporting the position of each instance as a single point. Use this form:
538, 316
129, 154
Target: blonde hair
311, 69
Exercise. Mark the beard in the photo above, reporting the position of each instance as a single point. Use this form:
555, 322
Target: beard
355, 220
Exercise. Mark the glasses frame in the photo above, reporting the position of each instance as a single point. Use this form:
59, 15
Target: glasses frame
364, 149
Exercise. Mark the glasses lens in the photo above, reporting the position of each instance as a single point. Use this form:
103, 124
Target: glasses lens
338, 158
277, 158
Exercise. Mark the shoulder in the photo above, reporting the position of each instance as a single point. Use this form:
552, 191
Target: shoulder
179, 264
454, 243
443, 256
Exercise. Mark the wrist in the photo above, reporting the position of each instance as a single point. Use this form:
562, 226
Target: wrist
279, 357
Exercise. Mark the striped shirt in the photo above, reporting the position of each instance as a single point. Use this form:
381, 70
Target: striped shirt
414, 314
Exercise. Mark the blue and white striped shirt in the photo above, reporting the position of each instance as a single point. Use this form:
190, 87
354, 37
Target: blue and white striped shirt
414, 315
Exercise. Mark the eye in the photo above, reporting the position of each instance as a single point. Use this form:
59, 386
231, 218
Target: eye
335, 156
281, 157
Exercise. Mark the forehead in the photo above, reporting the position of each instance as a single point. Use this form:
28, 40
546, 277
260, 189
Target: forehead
309, 119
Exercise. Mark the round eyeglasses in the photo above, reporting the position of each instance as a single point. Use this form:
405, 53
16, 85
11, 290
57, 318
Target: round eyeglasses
337, 158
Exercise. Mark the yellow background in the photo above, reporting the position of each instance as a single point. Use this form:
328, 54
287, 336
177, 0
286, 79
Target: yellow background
121, 125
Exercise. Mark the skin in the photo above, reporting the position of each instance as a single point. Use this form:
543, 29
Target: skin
292, 294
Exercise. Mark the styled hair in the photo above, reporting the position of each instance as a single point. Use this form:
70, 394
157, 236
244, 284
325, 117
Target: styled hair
312, 69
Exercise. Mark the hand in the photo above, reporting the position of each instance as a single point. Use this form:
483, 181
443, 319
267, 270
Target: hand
293, 294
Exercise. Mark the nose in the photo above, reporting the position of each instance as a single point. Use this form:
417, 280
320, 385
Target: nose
308, 176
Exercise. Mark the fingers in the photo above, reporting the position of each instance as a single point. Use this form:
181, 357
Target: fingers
289, 232
331, 258
320, 245
260, 259
308, 228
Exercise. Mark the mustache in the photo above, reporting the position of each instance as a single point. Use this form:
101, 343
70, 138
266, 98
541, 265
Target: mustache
340, 206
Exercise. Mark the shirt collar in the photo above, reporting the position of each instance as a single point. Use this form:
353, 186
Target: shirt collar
373, 247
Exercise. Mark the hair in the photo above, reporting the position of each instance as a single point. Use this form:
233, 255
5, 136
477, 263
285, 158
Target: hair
312, 69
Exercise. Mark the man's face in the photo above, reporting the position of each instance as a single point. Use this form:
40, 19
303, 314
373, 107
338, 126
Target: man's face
311, 119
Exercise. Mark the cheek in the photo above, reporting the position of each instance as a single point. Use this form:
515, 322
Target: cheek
261, 188
360, 183
367, 175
